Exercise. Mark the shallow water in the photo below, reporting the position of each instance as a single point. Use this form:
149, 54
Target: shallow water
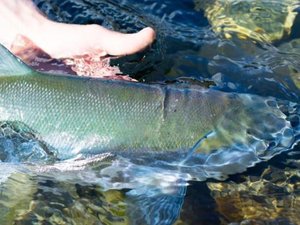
108, 189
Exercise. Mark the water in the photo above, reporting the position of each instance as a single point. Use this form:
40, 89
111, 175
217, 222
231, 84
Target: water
192, 47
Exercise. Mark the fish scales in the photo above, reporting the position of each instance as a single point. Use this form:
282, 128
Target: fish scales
112, 114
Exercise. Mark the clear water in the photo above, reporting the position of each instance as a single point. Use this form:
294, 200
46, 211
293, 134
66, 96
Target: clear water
36, 188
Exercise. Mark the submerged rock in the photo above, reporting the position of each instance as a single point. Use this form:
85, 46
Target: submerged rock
17, 190
267, 194
290, 51
259, 20
61, 203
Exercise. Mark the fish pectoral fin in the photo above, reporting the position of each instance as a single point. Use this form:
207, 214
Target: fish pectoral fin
196, 146
11, 65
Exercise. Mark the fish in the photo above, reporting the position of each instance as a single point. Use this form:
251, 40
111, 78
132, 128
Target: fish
196, 130
80, 115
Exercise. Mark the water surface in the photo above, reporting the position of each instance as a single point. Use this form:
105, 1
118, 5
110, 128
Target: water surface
190, 48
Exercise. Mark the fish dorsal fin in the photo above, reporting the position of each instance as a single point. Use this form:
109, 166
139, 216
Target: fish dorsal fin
10, 64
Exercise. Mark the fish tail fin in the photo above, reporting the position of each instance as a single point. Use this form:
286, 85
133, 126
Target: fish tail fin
292, 112
287, 137
10, 65
257, 131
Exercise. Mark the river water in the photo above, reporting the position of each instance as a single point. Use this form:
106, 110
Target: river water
232, 46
